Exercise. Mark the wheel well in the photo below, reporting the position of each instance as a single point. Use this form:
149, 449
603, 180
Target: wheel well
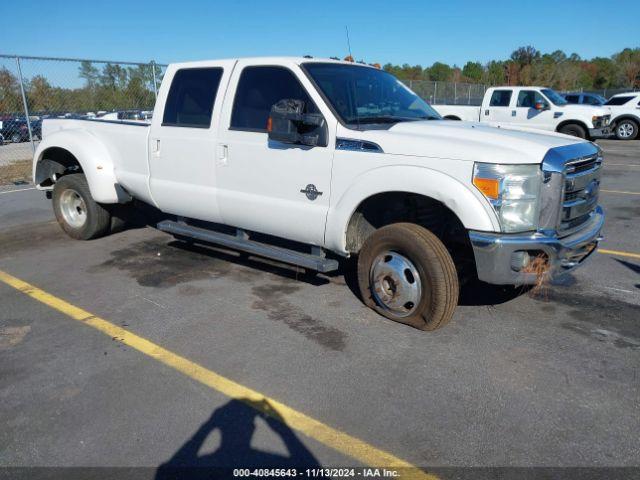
55, 162
393, 207
626, 117
573, 122
451, 117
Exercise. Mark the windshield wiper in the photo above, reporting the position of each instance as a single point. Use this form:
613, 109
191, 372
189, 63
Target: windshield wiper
378, 119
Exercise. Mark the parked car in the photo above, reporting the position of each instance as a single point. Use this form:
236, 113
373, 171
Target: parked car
533, 108
584, 98
314, 160
16, 129
625, 111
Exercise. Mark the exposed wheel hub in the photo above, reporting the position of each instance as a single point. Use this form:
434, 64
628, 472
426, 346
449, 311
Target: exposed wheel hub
396, 283
73, 208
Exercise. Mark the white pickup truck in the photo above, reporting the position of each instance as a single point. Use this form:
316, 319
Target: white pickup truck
308, 161
536, 108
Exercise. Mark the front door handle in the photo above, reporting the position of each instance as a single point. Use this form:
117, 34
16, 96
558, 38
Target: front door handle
223, 154
155, 147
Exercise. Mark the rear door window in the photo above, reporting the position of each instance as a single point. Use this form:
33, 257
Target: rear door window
500, 98
572, 98
191, 97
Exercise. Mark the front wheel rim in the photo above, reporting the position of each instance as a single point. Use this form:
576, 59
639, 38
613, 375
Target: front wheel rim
396, 284
625, 130
73, 208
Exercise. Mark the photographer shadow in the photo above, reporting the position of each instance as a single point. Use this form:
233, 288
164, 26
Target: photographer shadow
236, 423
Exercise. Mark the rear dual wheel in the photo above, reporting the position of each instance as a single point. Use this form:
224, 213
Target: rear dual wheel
406, 274
79, 215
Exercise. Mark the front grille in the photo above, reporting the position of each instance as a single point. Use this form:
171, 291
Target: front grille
581, 186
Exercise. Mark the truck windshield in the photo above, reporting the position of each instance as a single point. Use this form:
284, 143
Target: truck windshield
554, 96
364, 95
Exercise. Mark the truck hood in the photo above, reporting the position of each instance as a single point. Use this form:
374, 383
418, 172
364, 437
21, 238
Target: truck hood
469, 141
583, 110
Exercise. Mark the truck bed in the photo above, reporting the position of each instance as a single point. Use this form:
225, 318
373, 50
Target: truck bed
466, 113
124, 139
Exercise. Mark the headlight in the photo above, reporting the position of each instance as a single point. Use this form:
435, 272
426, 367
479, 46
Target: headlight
513, 191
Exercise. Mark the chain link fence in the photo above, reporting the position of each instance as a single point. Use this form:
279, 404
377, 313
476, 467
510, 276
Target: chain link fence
450, 93
33, 89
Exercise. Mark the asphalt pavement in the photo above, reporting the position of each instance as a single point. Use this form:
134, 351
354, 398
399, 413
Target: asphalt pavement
546, 379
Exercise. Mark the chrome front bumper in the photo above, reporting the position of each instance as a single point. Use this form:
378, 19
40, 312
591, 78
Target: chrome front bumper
498, 255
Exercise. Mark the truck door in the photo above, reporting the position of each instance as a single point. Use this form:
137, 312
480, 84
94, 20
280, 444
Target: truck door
497, 111
182, 141
267, 186
527, 115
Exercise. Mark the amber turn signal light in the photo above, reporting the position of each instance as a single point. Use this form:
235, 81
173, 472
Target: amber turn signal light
490, 187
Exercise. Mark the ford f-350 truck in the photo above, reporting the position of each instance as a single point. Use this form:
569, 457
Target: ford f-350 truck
306, 161
536, 108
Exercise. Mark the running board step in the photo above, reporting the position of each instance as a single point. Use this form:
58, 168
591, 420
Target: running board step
241, 242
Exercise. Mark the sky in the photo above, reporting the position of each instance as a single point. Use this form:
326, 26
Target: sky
413, 32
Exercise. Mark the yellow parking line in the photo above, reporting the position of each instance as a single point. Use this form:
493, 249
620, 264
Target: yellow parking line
619, 253
331, 437
620, 191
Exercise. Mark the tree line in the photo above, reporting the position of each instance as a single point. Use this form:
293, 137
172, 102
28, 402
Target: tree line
529, 66
112, 87
117, 87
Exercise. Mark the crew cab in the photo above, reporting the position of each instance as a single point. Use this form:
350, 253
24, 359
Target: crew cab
311, 161
533, 108
625, 111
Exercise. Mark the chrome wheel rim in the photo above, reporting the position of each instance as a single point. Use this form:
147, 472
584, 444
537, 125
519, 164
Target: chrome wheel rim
396, 283
73, 208
625, 130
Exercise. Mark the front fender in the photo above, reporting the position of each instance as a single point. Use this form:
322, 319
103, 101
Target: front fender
474, 212
93, 157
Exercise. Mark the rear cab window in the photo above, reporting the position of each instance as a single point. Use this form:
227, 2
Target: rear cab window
191, 97
500, 98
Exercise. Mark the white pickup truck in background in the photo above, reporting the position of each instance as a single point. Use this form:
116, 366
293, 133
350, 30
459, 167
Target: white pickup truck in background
309, 161
625, 111
533, 108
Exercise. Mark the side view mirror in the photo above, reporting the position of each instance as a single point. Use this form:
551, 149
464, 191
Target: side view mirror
288, 124
540, 106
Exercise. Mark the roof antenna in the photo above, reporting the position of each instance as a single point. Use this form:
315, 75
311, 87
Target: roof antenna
348, 42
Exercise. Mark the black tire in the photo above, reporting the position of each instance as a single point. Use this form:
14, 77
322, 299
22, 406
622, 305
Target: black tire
16, 138
574, 130
97, 219
626, 129
436, 272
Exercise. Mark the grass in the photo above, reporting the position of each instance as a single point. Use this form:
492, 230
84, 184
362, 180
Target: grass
16, 172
